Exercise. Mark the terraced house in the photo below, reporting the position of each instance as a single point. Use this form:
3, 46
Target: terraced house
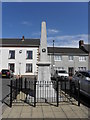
70, 59
22, 55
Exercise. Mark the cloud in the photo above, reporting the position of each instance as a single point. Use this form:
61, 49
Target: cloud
68, 40
49, 32
36, 34
26, 23
52, 31
65, 40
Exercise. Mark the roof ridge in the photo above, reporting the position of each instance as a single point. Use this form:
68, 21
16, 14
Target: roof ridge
19, 38
64, 47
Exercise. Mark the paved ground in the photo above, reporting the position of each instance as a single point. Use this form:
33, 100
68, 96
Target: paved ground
4, 82
42, 110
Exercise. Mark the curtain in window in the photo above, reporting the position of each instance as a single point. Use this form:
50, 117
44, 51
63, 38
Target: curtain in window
29, 55
11, 66
28, 67
12, 54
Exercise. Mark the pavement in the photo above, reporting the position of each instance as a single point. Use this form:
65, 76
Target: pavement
4, 88
43, 110
65, 110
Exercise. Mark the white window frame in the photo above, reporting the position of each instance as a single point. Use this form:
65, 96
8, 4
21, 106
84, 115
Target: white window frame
70, 57
9, 66
10, 54
82, 58
57, 57
31, 68
27, 54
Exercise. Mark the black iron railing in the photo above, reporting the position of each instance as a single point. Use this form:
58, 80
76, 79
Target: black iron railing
33, 91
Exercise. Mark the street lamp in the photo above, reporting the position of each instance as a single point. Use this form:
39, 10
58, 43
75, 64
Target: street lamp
53, 53
19, 68
20, 52
53, 65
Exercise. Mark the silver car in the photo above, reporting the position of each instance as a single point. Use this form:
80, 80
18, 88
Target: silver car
83, 77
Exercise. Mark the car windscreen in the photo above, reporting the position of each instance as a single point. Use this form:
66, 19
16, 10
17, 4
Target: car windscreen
86, 74
63, 71
4, 71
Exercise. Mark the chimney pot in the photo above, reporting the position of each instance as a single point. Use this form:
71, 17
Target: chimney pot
81, 43
23, 38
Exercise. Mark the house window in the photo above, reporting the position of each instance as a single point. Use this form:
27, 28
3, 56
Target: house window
29, 55
57, 58
82, 58
12, 67
28, 67
81, 68
11, 54
70, 57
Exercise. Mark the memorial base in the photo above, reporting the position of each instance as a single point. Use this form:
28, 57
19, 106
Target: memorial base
44, 87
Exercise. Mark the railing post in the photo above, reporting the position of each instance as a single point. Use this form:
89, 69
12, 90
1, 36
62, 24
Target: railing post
65, 85
78, 93
70, 87
16, 90
35, 92
57, 92
61, 82
21, 83
11, 93
25, 83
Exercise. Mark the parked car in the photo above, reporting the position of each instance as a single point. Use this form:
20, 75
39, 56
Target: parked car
61, 73
7, 73
83, 77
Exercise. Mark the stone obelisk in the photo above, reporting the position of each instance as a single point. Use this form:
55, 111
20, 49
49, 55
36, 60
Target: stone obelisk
43, 64
43, 45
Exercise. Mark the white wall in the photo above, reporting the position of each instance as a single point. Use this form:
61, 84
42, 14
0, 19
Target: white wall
19, 58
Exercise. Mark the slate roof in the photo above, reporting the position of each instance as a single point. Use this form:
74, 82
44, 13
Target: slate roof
15, 42
18, 42
63, 50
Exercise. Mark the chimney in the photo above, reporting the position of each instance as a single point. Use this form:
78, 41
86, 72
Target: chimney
81, 43
23, 38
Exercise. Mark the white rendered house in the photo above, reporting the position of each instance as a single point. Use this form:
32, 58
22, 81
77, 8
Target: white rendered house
20, 56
